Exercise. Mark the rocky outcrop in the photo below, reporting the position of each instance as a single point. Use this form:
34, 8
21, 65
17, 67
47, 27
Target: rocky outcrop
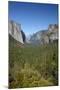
52, 32
14, 29
45, 36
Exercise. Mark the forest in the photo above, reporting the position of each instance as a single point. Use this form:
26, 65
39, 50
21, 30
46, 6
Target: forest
32, 66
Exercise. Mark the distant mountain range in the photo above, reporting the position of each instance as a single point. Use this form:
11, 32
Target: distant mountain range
45, 36
40, 37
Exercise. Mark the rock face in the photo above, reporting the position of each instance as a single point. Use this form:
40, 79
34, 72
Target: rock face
14, 29
53, 32
45, 36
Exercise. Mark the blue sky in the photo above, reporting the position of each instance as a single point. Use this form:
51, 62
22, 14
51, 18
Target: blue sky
33, 16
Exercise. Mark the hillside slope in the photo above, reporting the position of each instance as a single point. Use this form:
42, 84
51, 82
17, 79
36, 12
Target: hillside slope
45, 36
32, 66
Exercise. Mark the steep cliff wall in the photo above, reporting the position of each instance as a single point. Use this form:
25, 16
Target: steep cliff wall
53, 32
15, 31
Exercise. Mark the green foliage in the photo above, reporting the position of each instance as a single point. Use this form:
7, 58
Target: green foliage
32, 65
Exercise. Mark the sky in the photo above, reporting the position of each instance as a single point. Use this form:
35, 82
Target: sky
33, 17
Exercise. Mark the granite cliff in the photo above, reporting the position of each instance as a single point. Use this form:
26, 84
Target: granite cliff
14, 29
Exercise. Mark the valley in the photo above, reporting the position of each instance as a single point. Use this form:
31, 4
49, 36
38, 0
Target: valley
32, 66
